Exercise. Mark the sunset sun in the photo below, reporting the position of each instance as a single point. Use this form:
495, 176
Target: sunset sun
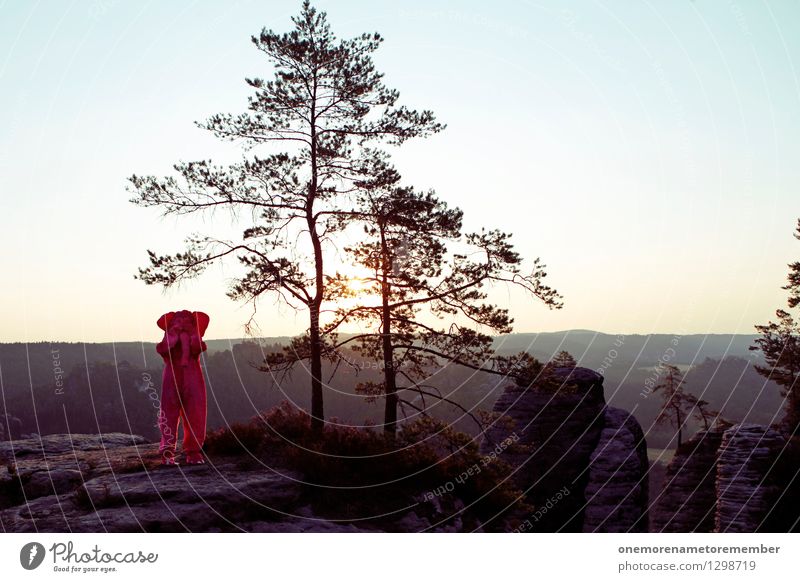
359, 286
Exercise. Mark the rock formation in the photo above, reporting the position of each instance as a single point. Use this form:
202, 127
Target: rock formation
616, 494
577, 444
582, 464
726, 479
114, 483
687, 501
746, 487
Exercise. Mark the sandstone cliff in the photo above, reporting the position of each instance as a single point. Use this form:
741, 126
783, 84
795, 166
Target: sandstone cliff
730, 479
585, 467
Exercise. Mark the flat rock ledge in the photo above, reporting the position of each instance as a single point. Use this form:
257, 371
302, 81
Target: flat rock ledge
114, 483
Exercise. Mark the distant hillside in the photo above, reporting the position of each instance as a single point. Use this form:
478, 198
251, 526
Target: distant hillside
32, 364
113, 386
592, 347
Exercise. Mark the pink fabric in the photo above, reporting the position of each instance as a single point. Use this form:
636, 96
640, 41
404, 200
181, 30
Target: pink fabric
183, 388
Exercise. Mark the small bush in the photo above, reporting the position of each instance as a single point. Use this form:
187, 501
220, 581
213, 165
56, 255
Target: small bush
236, 439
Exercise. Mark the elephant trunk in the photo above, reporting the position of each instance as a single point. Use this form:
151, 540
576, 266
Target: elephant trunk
185, 349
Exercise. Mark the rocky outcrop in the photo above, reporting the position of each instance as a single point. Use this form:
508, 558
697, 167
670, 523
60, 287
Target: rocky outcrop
222, 498
58, 444
728, 479
746, 487
687, 501
58, 464
114, 483
616, 494
583, 462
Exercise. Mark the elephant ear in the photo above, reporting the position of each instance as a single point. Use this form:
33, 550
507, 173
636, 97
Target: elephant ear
202, 322
164, 321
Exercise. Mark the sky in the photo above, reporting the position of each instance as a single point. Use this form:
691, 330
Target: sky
646, 151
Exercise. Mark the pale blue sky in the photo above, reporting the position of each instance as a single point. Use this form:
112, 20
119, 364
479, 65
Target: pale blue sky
647, 151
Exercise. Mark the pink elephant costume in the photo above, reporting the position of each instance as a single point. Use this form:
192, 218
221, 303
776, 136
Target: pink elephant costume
183, 388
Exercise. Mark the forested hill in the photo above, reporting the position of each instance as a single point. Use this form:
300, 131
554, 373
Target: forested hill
72, 387
32, 363
590, 348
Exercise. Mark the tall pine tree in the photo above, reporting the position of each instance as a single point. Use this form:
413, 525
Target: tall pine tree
324, 108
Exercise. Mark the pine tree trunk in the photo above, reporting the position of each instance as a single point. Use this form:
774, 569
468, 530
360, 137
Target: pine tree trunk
317, 411
389, 374
387, 345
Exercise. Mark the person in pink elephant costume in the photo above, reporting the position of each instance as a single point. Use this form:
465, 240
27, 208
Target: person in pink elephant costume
183, 388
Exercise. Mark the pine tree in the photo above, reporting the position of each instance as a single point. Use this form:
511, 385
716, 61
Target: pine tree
706, 415
780, 345
563, 359
677, 404
324, 109
418, 279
